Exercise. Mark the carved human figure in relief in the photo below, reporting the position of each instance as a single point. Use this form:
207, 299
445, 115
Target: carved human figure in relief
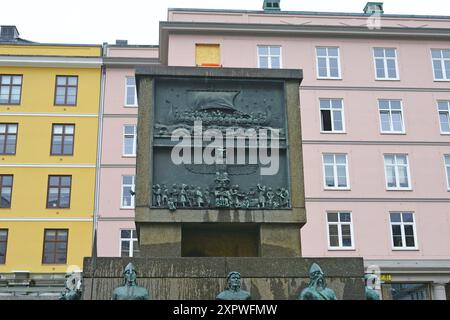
317, 288
130, 290
233, 290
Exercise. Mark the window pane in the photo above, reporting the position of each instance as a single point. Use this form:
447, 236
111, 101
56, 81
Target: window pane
444, 120
392, 70
60, 99
345, 230
389, 159
345, 216
380, 68
17, 80
346, 241
333, 52
407, 217
65, 197
131, 96
342, 177
436, 54
263, 62
326, 120
61, 81
263, 50
385, 121
397, 121
333, 229
334, 241
395, 217
129, 129
329, 176
129, 146
72, 81
437, 66
125, 234
332, 217
378, 52
341, 159
390, 53
398, 241
50, 235
65, 181
337, 120
275, 51
127, 180
322, 66
275, 62
321, 52
7, 180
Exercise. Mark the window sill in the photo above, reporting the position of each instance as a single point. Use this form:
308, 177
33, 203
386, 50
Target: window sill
128, 156
333, 132
387, 79
327, 78
130, 106
341, 249
64, 105
127, 208
445, 133
9, 104
337, 189
405, 249
406, 189
392, 133
441, 80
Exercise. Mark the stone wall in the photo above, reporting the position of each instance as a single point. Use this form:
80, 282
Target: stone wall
204, 278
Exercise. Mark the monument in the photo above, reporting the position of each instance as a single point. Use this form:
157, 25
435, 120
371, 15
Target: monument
233, 290
219, 188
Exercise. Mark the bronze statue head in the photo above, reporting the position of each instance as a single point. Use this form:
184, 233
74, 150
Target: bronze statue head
129, 275
234, 281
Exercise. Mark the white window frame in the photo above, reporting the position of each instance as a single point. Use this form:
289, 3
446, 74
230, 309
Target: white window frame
269, 56
339, 224
335, 175
132, 155
403, 131
402, 227
447, 169
446, 77
397, 180
448, 115
332, 116
386, 73
130, 240
135, 104
133, 186
327, 58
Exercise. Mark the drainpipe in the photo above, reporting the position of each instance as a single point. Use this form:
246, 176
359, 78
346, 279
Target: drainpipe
98, 165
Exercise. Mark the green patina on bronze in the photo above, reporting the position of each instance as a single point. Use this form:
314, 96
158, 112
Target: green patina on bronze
233, 290
72, 287
371, 292
317, 288
130, 290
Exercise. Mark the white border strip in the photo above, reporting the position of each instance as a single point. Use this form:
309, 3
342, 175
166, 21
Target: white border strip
47, 61
47, 219
33, 114
56, 165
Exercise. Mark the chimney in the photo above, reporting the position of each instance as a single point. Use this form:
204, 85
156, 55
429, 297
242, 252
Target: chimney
271, 5
374, 8
121, 42
9, 33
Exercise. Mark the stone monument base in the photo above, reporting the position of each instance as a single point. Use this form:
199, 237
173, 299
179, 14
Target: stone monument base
203, 278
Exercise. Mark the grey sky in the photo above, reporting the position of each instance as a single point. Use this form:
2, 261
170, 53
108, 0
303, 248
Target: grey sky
98, 21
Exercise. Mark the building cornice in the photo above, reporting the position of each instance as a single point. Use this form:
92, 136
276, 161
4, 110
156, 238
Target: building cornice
123, 62
50, 61
279, 30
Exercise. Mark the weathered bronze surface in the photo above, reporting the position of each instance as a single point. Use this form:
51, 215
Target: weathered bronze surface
317, 288
130, 290
233, 290
371, 292
72, 287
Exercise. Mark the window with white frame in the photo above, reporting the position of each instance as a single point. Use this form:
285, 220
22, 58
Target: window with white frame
340, 230
403, 230
332, 115
447, 169
441, 64
129, 246
335, 171
397, 171
385, 63
130, 92
328, 64
391, 116
269, 57
127, 192
129, 140
444, 116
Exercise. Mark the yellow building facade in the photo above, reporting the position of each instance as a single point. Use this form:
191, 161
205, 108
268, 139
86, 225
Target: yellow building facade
49, 116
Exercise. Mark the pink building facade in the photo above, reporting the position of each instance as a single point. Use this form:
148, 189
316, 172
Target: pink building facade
375, 108
116, 235
375, 130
